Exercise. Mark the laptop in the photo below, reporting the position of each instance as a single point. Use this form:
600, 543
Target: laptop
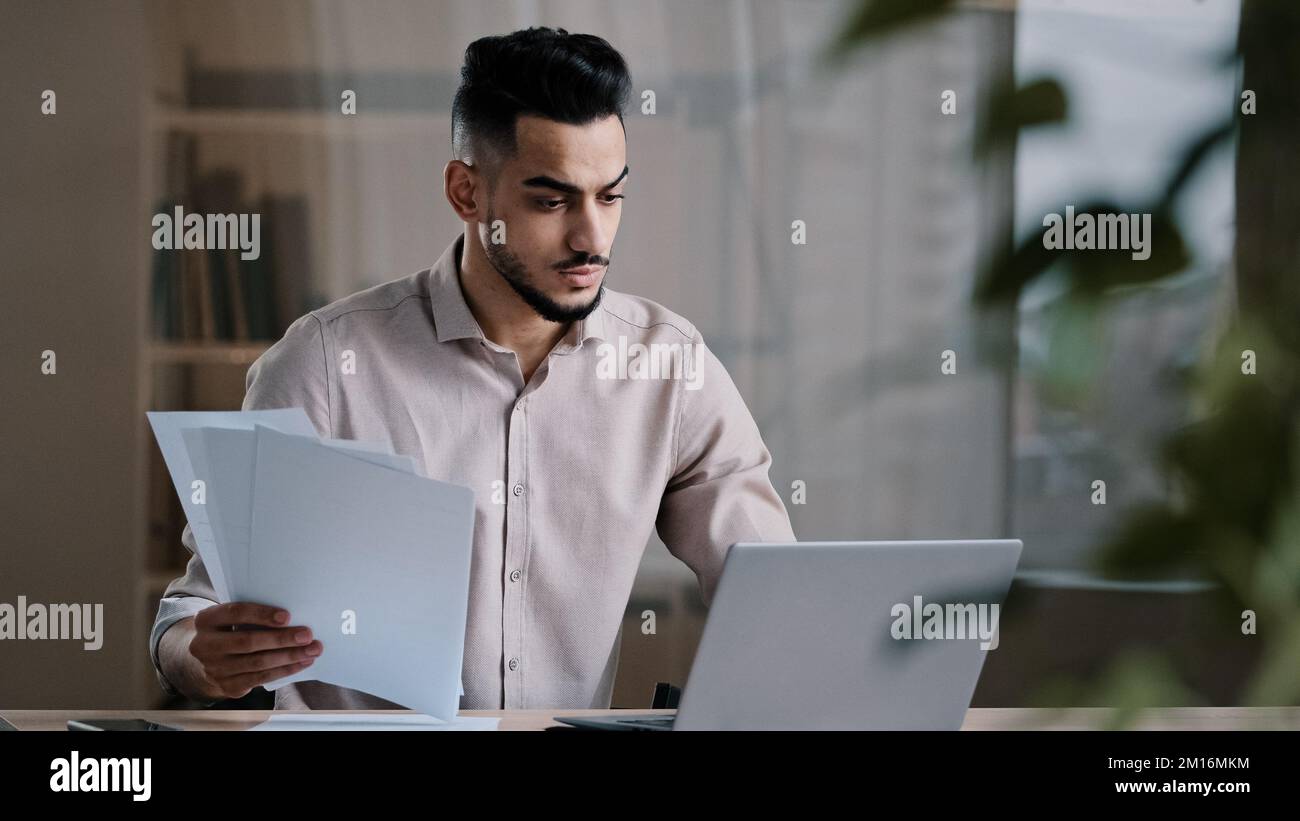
841, 636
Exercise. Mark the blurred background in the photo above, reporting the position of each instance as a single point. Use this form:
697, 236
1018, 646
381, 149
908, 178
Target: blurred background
835, 344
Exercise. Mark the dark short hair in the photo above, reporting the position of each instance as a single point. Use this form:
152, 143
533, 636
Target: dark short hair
569, 78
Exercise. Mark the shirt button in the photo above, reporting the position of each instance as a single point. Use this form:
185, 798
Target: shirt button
515, 575
514, 664
521, 404
518, 489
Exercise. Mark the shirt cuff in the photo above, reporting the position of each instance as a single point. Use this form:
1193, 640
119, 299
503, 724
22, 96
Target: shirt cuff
171, 610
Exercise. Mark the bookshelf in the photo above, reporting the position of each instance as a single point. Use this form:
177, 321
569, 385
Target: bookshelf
206, 353
211, 314
209, 135
304, 123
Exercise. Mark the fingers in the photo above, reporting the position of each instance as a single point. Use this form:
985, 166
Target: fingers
271, 659
241, 684
234, 674
228, 615
257, 641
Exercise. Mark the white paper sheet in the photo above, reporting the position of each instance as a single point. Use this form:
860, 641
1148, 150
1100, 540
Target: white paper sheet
373, 452
225, 459
374, 721
167, 427
320, 519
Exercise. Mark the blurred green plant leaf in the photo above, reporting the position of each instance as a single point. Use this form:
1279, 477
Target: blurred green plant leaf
1091, 272
873, 19
1152, 541
1236, 463
1137, 680
1277, 572
1277, 680
1195, 154
1039, 102
1096, 271
1007, 274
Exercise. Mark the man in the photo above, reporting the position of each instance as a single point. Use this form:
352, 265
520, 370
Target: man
498, 369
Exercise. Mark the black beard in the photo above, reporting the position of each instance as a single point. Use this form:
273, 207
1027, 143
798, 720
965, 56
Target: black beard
514, 273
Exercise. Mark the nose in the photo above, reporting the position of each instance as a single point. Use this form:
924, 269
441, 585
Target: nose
587, 233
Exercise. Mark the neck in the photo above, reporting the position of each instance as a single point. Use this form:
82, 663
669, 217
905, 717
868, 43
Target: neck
502, 314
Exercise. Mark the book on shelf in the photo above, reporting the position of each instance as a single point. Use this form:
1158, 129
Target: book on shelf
275, 89
214, 294
287, 232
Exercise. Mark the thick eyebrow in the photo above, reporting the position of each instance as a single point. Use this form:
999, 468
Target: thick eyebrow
544, 181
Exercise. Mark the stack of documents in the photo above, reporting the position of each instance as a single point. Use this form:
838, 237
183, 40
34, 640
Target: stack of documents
346, 536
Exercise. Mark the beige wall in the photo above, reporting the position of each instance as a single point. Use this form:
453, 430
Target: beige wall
72, 283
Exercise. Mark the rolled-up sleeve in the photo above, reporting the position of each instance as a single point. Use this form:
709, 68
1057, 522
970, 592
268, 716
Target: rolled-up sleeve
291, 373
719, 492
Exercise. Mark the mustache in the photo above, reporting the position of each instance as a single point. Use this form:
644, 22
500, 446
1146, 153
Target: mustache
583, 260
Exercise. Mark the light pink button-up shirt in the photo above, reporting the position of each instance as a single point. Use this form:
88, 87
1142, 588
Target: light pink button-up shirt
570, 471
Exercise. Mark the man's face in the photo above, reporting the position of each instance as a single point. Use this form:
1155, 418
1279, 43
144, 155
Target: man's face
560, 198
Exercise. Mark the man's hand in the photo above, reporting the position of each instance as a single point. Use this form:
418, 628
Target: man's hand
238, 646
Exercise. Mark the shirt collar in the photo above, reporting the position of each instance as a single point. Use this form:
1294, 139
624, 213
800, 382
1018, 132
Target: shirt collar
452, 318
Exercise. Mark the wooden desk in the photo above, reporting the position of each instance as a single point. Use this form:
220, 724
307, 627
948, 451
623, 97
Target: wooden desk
1174, 718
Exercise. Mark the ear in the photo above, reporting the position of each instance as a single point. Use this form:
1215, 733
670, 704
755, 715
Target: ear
463, 186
